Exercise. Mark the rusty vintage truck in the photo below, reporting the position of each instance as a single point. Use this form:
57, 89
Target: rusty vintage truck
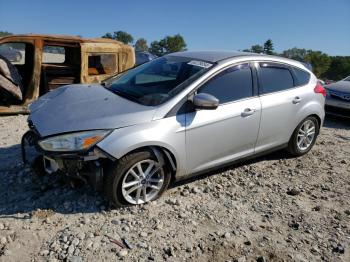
45, 62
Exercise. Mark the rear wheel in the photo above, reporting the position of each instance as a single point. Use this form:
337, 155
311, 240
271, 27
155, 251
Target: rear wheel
136, 178
304, 136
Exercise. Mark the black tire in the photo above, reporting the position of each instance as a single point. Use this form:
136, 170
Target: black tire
117, 170
38, 166
293, 148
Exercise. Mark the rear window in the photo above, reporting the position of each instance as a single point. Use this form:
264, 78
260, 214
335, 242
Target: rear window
101, 64
274, 78
302, 76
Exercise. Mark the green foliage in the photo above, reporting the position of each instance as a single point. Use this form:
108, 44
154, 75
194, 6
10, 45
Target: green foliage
334, 68
108, 35
167, 45
257, 49
4, 33
268, 47
295, 53
156, 48
141, 45
339, 68
121, 36
320, 61
174, 43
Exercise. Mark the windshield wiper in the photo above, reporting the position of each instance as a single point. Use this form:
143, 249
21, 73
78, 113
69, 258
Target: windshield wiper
125, 95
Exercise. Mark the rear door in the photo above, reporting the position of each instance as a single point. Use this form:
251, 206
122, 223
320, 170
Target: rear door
280, 101
215, 137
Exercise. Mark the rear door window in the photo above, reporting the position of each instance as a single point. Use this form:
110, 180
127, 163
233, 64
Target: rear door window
232, 84
274, 78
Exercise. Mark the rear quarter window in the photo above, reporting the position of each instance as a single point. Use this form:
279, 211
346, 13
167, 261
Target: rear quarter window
302, 76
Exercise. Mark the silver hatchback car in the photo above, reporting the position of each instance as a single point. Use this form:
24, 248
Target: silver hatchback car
178, 115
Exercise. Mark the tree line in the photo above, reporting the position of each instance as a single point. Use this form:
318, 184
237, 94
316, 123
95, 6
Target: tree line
166, 45
324, 66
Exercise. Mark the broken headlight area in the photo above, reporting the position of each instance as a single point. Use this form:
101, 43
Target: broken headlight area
72, 142
85, 162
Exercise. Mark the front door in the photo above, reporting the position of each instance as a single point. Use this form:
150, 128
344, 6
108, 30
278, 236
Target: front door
215, 137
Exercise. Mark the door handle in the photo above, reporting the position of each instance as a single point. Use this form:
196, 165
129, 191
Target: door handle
296, 100
248, 112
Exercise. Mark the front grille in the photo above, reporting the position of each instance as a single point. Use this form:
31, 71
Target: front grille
337, 111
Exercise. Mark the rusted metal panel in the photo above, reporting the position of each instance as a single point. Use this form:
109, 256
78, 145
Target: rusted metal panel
59, 38
124, 59
33, 90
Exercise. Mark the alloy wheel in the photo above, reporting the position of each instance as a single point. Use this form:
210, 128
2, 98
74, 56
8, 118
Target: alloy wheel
142, 182
306, 135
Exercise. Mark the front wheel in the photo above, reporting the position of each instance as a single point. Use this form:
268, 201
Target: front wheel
304, 137
136, 178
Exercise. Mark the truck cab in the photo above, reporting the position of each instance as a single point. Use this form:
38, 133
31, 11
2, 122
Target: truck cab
46, 62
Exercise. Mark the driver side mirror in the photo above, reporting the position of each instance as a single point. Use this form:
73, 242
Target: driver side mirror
205, 101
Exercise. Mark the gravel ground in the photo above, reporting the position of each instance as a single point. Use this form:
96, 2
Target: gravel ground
273, 208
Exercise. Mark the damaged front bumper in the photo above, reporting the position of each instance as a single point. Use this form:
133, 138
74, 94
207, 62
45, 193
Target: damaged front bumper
83, 165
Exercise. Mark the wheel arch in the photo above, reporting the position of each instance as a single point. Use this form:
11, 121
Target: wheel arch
319, 121
313, 108
162, 153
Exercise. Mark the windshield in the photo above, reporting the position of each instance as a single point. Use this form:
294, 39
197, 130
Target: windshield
157, 81
347, 79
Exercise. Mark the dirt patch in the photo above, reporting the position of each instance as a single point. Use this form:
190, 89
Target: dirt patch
42, 214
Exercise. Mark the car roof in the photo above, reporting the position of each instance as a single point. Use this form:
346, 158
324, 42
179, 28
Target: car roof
53, 37
212, 56
223, 56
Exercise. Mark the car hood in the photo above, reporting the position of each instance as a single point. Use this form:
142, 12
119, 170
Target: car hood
85, 107
341, 86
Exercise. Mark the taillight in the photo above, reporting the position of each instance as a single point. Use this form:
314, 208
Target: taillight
319, 89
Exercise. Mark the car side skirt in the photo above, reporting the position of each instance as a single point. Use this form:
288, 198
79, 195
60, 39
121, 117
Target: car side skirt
224, 166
